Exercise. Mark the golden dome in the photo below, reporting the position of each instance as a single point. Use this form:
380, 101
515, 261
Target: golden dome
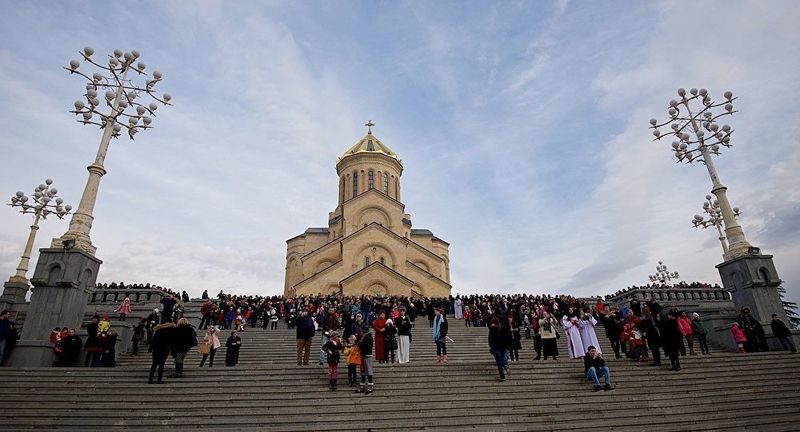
370, 144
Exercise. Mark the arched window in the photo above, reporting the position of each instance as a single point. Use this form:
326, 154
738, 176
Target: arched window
366, 261
371, 180
355, 183
386, 183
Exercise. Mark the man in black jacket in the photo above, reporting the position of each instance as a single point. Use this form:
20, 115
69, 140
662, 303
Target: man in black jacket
671, 339
613, 325
595, 367
305, 335
780, 331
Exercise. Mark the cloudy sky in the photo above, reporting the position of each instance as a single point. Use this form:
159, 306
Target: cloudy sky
522, 127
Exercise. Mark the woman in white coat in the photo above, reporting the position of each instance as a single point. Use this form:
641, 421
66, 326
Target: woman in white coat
212, 340
458, 308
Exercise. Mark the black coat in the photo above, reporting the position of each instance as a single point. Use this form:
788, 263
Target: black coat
365, 345
232, 353
499, 337
184, 338
670, 335
162, 339
779, 329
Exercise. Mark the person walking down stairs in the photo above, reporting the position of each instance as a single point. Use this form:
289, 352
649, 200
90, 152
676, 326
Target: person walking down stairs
499, 340
161, 345
365, 349
233, 344
209, 346
440, 335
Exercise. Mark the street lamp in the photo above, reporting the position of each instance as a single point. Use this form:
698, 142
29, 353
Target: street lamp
712, 209
698, 136
46, 202
662, 274
123, 105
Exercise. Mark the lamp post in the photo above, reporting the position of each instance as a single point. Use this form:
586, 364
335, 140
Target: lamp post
746, 273
712, 209
698, 136
66, 272
46, 202
126, 106
663, 275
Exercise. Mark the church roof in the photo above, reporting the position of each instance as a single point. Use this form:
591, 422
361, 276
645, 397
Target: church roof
370, 144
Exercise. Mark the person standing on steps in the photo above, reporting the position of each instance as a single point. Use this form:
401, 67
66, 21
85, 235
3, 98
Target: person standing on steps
403, 337
332, 350
699, 330
124, 309
738, 337
613, 325
594, 367
782, 332
547, 327
440, 335
305, 335
515, 344
161, 344
458, 310
536, 335
212, 339
380, 337
586, 325
365, 349
330, 323
685, 327
671, 339
233, 344
353, 358
651, 325
574, 343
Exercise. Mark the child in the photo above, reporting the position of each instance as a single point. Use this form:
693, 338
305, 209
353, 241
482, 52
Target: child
332, 349
365, 348
390, 343
638, 344
353, 357
738, 336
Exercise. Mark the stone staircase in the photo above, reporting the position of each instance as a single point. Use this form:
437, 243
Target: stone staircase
267, 391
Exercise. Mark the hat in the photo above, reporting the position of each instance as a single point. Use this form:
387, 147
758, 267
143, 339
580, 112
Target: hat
389, 321
695, 315
334, 334
155, 310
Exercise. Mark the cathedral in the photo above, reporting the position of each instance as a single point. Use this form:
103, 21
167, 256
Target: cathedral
369, 246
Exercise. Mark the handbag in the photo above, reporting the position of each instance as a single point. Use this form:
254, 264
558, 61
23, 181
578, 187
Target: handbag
203, 348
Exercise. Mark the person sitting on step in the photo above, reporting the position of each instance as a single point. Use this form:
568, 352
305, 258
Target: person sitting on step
595, 367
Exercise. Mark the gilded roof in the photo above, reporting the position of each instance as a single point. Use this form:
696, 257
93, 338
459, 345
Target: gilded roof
370, 144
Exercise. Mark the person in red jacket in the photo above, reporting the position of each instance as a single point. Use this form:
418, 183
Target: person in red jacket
738, 336
685, 327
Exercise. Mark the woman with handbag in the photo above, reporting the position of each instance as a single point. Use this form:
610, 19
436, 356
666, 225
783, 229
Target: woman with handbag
208, 348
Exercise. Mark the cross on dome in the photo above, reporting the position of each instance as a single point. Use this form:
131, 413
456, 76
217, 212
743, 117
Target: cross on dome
369, 125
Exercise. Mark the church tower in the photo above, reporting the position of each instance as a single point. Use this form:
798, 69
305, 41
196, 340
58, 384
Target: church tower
369, 246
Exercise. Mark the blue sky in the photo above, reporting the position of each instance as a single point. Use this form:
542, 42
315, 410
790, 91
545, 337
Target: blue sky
522, 127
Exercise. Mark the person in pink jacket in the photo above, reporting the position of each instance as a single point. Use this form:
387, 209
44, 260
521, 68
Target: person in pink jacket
738, 336
685, 327
124, 309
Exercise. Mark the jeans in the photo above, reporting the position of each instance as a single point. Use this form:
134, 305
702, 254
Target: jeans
701, 340
322, 356
501, 359
441, 348
593, 375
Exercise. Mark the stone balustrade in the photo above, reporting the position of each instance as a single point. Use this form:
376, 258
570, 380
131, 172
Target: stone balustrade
116, 295
666, 295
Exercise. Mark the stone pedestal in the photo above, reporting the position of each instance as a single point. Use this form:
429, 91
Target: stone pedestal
14, 291
753, 282
62, 281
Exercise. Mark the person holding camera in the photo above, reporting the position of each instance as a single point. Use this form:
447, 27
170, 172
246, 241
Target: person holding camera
594, 367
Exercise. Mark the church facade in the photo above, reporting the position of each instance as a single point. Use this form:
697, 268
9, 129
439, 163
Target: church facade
369, 246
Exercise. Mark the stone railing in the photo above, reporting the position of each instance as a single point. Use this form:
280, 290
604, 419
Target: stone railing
116, 295
666, 295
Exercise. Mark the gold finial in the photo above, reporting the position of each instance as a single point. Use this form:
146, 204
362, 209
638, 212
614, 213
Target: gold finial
369, 125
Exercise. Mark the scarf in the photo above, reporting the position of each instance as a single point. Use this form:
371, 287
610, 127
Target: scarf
436, 324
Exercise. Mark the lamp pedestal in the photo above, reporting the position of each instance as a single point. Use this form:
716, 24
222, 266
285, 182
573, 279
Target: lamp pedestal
753, 282
62, 282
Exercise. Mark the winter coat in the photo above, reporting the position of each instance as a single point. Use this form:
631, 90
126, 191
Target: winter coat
184, 338
738, 334
699, 328
162, 339
332, 348
684, 326
305, 327
779, 328
499, 337
365, 345
124, 308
